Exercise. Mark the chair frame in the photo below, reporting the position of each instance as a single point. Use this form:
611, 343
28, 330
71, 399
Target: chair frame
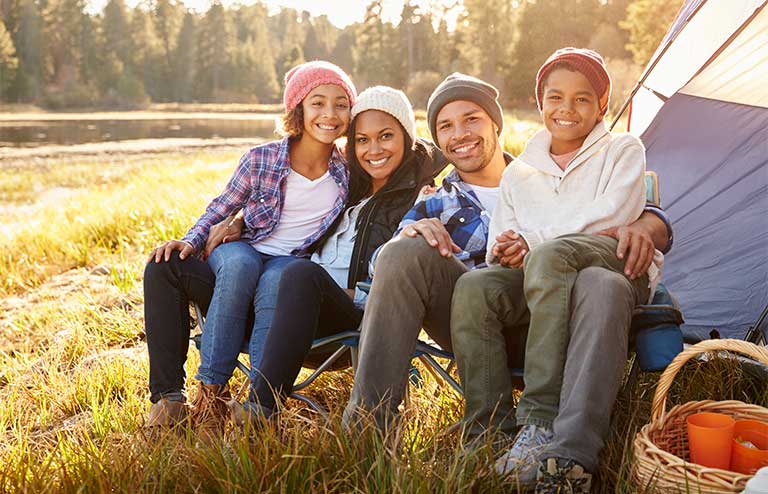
348, 340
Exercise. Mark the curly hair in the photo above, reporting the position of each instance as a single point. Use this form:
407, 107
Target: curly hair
291, 124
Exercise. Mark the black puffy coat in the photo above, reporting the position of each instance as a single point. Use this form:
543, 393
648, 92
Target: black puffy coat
379, 218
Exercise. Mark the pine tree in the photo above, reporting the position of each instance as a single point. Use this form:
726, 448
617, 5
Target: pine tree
64, 21
214, 50
549, 25
344, 53
116, 29
8, 62
31, 53
184, 60
167, 16
647, 21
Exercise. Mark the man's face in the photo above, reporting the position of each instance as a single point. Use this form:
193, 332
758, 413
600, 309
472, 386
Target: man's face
466, 135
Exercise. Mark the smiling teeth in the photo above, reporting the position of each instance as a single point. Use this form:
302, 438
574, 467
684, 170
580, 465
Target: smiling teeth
464, 149
327, 127
565, 123
377, 162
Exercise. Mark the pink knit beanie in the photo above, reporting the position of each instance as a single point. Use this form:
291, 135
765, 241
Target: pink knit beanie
587, 62
303, 78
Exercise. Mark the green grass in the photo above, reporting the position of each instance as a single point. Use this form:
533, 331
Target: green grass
73, 362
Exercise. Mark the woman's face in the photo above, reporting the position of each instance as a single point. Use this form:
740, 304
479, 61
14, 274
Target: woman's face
379, 145
326, 113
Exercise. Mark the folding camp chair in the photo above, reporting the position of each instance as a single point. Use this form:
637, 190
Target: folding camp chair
335, 347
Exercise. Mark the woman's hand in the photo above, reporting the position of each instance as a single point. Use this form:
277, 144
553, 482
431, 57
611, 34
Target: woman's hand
163, 251
228, 230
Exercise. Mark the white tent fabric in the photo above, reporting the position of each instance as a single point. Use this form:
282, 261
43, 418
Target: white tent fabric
702, 113
694, 41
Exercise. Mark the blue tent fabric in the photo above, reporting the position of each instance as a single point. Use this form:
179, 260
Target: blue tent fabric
712, 161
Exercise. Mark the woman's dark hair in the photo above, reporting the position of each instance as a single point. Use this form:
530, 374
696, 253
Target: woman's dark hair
359, 180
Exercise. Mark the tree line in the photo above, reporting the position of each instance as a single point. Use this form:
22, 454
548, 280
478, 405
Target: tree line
56, 54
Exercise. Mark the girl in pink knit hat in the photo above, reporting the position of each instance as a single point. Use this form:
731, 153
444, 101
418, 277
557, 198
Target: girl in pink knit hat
289, 192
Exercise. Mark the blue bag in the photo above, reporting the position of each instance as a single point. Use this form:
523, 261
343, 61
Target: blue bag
656, 334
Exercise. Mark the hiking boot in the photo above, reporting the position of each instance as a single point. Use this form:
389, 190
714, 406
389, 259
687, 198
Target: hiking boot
521, 461
167, 413
249, 415
562, 476
209, 409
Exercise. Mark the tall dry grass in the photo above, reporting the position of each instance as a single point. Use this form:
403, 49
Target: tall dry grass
73, 364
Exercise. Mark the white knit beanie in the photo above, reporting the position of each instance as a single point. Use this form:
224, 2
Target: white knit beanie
388, 100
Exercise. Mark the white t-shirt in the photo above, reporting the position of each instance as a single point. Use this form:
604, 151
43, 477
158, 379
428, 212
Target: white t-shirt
307, 202
487, 195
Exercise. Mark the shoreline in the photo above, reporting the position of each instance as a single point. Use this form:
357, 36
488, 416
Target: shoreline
15, 157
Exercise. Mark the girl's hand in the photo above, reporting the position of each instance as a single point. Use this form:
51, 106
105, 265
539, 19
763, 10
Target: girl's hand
228, 230
163, 251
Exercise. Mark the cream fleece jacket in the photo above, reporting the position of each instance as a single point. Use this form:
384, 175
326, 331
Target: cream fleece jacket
602, 187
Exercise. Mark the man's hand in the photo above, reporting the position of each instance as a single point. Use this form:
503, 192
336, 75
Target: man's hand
510, 249
434, 233
229, 230
635, 245
163, 251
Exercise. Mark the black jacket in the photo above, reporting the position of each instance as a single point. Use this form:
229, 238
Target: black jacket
379, 218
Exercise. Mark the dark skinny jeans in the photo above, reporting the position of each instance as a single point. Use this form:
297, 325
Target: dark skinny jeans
310, 305
169, 287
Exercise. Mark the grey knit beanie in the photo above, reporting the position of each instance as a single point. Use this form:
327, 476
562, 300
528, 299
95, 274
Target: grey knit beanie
458, 86
390, 101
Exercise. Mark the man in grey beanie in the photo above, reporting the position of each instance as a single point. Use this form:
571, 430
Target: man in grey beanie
441, 238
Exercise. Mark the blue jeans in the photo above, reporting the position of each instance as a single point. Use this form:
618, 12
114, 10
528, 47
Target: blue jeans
244, 278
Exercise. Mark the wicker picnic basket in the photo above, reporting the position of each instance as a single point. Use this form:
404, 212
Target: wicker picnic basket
661, 447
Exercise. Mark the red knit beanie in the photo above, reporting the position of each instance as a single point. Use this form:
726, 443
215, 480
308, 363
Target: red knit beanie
303, 78
587, 62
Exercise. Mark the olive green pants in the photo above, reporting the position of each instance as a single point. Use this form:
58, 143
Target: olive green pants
582, 333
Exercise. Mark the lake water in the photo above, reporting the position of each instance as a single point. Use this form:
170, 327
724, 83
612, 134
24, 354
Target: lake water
64, 132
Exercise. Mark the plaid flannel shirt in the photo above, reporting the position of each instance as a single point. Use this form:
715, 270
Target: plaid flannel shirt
458, 208
258, 188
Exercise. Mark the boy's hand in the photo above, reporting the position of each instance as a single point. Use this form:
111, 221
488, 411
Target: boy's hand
635, 245
434, 233
510, 249
163, 251
229, 230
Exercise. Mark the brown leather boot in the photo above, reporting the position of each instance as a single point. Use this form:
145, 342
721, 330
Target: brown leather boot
209, 412
167, 413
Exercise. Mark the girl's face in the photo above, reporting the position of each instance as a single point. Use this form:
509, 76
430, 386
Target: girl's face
326, 113
379, 145
570, 108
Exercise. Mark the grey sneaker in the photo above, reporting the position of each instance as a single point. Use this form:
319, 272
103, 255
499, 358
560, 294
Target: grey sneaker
562, 476
521, 461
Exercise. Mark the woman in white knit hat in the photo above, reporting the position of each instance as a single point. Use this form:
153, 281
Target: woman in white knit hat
317, 297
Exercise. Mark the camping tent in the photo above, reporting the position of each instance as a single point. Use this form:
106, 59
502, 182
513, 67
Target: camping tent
701, 109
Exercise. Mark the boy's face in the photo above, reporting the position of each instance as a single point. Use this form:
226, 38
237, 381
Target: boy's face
570, 108
466, 135
326, 113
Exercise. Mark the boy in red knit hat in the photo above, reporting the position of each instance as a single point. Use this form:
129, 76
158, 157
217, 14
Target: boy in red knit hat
574, 179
